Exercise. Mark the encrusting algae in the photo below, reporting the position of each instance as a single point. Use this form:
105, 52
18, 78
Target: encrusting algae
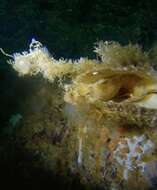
102, 115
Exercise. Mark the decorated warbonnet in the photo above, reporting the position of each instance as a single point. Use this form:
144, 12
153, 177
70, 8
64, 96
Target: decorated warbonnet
112, 105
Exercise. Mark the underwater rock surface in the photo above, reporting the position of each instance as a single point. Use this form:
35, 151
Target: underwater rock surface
97, 119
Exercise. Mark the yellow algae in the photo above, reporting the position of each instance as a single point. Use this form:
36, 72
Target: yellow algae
101, 115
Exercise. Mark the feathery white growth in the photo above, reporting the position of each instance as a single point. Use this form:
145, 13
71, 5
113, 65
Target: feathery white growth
38, 59
33, 61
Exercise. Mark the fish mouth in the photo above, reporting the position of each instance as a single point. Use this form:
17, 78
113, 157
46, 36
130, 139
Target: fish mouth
137, 87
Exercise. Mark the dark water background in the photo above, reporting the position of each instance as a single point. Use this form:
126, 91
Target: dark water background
68, 29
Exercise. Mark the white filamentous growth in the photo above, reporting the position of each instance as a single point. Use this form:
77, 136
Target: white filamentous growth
38, 59
30, 62
79, 159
